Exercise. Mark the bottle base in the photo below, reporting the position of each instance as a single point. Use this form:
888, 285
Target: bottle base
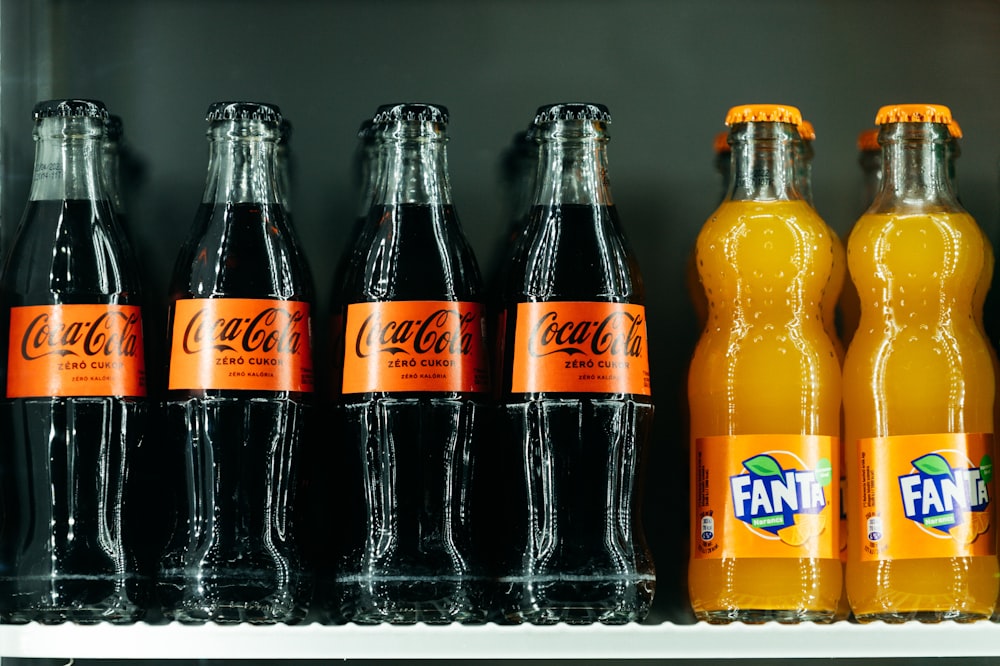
74, 615
578, 600
411, 600
197, 599
78, 599
760, 616
927, 617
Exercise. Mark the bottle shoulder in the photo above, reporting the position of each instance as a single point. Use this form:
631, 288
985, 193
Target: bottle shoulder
70, 251
242, 251
573, 252
412, 252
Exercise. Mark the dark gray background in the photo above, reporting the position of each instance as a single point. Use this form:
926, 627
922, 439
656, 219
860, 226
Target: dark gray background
667, 70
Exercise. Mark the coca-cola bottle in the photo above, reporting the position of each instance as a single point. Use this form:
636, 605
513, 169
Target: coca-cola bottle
239, 389
414, 389
74, 410
575, 407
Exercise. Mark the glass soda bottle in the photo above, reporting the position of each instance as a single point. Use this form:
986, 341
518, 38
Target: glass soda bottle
75, 409
918, 391
238, 404
414, 389
575, 401
764, 394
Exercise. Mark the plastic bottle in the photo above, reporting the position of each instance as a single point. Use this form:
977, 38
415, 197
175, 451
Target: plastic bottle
918, 391
575, 397
75, 410
414, 392
764, 392
239, 403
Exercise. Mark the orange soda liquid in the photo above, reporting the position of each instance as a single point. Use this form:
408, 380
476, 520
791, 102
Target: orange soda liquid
917, 368
764, 370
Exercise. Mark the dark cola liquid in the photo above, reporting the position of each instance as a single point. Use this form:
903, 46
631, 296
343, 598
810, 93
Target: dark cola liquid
66, 464
570, 464
230, 460
408, 553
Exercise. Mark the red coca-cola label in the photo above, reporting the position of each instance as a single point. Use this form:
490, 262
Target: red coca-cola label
242, 344
588, 347
415, 346
75, 350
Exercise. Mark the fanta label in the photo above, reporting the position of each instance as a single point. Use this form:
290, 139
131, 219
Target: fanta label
765, 496
436, 346
241, 344
926, 496
580, 347
75, 350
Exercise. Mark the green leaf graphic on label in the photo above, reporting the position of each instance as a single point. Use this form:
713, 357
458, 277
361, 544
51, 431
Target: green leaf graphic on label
763, 466
986, 468
934, 465
824, 472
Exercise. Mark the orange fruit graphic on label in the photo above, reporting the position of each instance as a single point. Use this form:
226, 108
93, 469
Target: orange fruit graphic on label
807, 526
980, 522
973, 524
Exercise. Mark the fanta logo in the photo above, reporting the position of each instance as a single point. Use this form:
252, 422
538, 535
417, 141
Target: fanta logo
939, 496
618, 334
443, 331
272, 329
769, 498
112, 333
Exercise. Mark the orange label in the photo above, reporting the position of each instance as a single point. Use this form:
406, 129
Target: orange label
436, 346
580, 347
241, 344
765, 496
75, 350
926, 496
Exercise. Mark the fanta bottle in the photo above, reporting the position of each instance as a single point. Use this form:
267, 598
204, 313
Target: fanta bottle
764, 392
918, 391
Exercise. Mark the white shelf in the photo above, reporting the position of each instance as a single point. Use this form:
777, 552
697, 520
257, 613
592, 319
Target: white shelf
664, 641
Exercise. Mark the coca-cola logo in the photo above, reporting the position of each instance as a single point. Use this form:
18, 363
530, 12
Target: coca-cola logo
273, 329
444, 331
112, 333
618, 334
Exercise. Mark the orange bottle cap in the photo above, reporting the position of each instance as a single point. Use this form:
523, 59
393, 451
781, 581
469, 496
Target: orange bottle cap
955, 129
721, 144
868, 141
764, 113
913, 113
807, 131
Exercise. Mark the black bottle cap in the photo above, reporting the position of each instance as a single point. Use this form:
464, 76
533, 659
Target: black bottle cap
113, 128
394, 113
551, 113
267, 113
70, 108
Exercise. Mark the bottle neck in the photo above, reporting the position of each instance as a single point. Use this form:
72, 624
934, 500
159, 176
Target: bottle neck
572, 164
242, 164
413, 165
914, 169
68, 160
803, 169
871, 173
111, 170
763, 167
369, 163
